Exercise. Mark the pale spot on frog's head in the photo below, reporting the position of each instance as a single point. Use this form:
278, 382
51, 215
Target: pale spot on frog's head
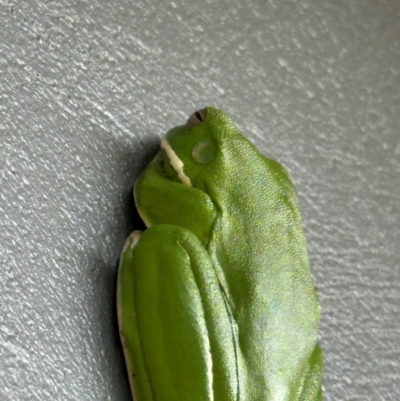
175, 162
204, 152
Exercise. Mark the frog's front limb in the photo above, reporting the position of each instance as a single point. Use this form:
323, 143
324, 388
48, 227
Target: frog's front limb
176, 329
311, 388
161, 200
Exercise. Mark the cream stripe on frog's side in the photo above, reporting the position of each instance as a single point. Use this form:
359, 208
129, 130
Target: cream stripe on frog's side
131, 242
175, 162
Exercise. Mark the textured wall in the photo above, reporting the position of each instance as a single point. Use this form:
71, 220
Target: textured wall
86, 90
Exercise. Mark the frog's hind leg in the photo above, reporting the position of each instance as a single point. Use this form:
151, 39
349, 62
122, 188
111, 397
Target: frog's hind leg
175, 327
128, 332
311, 388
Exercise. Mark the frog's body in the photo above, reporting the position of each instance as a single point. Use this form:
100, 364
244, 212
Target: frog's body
216, 300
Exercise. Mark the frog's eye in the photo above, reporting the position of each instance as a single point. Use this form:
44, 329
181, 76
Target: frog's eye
204, 152
196, 118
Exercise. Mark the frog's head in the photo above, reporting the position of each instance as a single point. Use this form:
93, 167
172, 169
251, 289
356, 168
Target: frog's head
201, 152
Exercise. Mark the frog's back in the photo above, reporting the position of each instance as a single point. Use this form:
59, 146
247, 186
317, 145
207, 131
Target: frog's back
259, 251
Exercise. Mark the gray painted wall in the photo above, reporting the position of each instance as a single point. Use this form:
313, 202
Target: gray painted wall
86, 90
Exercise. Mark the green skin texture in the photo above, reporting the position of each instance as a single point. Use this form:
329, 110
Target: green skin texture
215, 298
